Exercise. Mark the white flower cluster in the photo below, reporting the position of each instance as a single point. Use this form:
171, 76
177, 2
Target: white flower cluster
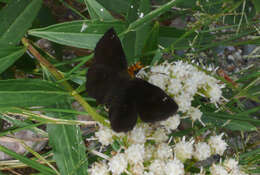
230, 167
182, 81
148, 152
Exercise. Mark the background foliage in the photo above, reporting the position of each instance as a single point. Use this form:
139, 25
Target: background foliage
31, 76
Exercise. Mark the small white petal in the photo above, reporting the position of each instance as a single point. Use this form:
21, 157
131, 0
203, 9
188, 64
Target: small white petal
202, 151
118, 164
184, 149
217, 144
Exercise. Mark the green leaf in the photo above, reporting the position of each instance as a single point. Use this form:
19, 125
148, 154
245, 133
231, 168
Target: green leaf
141, 33
257, 5
129, 46
167, 35
153, 14
68, 146
120, 7
130, 38
240, 126
151, 44
97, 11
81, 34
9, 55
157, 56
16, 18
31, 163
30, 92
133, 42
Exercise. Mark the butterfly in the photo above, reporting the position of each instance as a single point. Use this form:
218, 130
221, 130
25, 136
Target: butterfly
126, 97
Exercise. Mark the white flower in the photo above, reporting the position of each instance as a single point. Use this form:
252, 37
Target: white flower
182, 70
174, 86
237, 172
171, 123
99, 169
159, 135
184, 101
217, 144
148, 173
214, 92
195, 114
104, 135
135, 153
191, 85
174, 167
184, 150
162, 68
118, 164
149, 152
137, 169
164, 151
159, 80
142, 74
218, 170
231, 164
157, 166
202, 151
137, 135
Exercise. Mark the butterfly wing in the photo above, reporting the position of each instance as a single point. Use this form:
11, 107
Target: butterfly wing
108, 65
122, 107
152, 103
99, 81
109, 52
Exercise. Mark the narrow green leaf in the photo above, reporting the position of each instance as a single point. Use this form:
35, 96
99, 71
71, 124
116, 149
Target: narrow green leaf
81, 34
133, 41
151, 44
167, 35
68, 146
31, 163
236, 117
158, 55
120, 7
249, 154
9, 55
30, 92
153, 14
142, 32
240, 126
97, 11
129, 46
16, 17
257, 5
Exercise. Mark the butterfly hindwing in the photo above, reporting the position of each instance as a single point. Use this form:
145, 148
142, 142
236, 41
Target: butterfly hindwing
152, 103
122, 107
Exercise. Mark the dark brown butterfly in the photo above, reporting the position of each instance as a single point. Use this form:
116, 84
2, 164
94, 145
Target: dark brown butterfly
109, 82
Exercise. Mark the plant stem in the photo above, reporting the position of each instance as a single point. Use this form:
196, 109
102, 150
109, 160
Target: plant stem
59, 76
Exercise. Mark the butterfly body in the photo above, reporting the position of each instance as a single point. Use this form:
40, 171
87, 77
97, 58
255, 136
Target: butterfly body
109, 82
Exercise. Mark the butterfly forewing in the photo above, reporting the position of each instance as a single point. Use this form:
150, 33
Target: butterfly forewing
109, 52
108, 64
